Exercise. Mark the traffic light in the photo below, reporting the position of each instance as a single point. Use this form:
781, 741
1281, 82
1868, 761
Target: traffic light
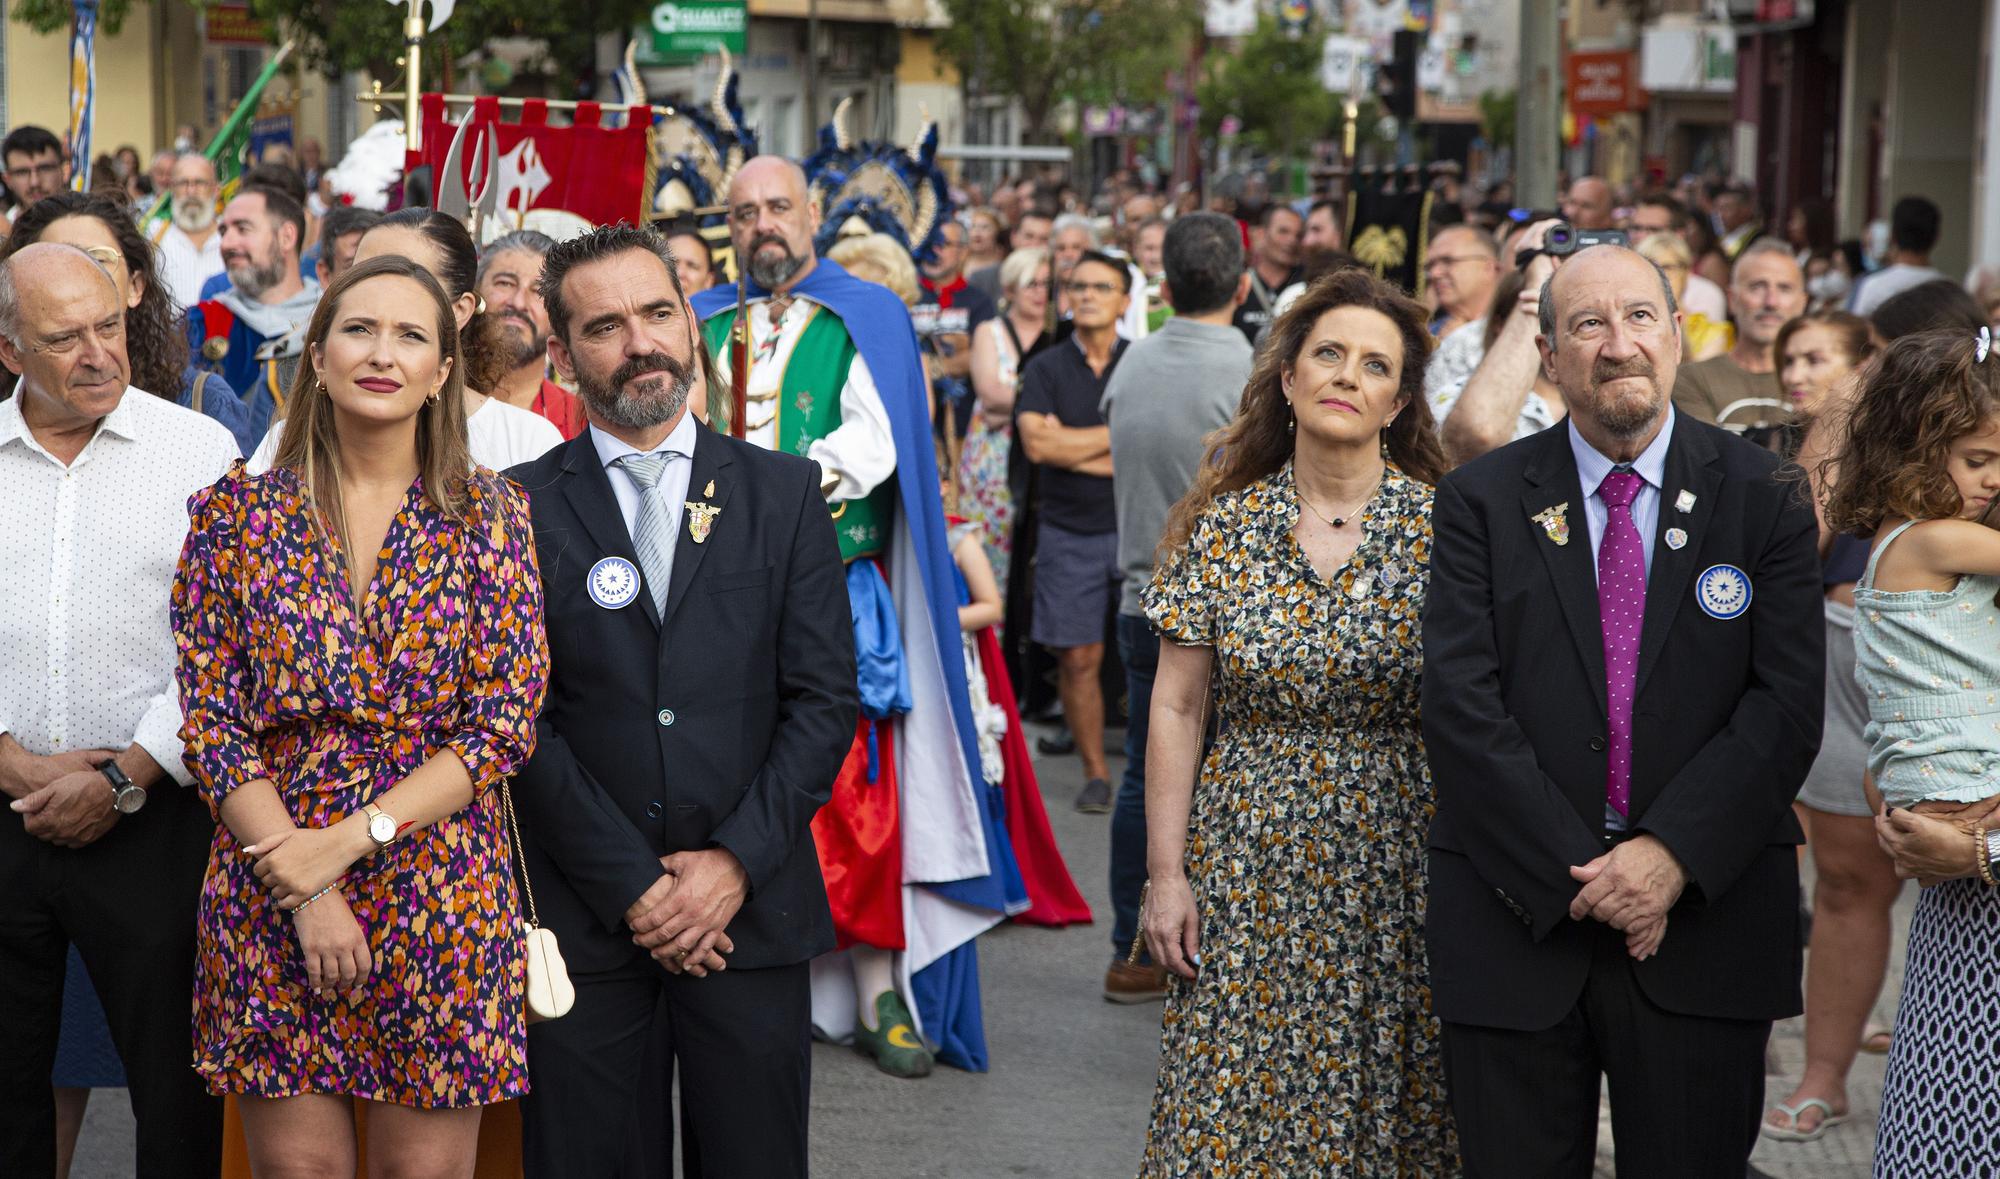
1396, 79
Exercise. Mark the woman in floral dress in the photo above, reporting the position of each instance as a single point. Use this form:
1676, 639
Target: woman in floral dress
361, 663
1286, 890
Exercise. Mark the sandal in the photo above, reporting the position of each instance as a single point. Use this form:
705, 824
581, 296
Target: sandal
1828, 1121
1875, 1041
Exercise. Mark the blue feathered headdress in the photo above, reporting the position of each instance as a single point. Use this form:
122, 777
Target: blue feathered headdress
696, 153
892, 190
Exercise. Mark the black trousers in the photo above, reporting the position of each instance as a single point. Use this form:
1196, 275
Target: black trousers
128, 902
1687, 1092
741, 1041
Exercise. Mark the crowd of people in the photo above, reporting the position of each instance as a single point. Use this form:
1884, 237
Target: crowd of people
1486, 653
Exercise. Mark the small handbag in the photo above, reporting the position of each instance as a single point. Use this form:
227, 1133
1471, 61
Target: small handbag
550, 993
1145, 890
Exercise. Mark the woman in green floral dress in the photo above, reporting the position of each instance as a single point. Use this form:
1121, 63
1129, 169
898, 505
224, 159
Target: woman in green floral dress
1286, 887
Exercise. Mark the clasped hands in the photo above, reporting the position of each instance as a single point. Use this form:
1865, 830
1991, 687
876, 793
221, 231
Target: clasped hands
294, 865
62, 798
1934, 841
681, 918
1631, 888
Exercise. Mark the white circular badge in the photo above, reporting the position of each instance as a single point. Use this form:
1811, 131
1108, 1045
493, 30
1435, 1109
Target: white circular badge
613, 582
1722, 591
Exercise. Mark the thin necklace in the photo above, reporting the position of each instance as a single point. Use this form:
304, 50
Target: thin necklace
1337, 521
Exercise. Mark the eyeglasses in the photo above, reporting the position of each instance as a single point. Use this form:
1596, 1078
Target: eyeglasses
1451, 259
191, 183
1090, 288
105, 255
50, 171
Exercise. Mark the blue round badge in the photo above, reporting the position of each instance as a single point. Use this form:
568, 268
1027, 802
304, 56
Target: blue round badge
1722, 591
613, 582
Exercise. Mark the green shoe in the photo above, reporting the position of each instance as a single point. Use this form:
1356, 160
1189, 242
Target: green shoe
894, 1043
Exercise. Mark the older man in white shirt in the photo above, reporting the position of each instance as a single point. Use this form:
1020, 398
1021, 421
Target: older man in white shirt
190, 241
106, 845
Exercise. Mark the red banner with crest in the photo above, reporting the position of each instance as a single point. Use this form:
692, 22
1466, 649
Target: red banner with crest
588, 170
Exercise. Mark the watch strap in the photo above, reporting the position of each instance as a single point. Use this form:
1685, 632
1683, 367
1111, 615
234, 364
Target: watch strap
117, 777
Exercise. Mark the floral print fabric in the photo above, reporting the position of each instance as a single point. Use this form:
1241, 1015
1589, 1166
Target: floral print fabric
1306, 1046
281, 678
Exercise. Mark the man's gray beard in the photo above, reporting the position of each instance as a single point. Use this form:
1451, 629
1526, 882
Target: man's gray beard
1624, 421
527, 349
193, 216
621, 408
773, 274
254, 280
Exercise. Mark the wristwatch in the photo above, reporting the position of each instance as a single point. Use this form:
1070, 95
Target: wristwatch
1992, 849
381, 828
127, 796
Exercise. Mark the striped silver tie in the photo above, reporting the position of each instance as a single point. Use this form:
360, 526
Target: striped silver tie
652, 531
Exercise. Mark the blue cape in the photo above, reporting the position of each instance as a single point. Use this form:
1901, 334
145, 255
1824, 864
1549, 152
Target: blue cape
880, 327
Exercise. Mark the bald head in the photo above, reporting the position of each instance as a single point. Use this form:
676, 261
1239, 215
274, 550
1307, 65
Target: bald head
1588, 203
771, 222
31, 273
1611, 342
62, 328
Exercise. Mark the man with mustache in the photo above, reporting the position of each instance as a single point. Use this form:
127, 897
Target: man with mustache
1766, 288
701, 700
1621, 696
852, 399
190, 246
252, 332
510, 273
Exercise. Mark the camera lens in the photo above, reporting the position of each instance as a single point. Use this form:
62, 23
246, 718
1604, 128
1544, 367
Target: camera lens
1560, 236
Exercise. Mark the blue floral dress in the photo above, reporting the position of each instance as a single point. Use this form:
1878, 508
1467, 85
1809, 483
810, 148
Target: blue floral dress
1306, 1046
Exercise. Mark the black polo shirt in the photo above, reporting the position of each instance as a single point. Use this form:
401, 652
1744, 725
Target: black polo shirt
1059, 381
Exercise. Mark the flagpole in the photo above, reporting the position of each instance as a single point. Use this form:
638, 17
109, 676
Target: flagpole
238, 119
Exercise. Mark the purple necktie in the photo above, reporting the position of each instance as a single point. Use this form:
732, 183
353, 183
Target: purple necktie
1621, 604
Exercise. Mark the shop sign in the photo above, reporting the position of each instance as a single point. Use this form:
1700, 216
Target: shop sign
695, 28
1601, 83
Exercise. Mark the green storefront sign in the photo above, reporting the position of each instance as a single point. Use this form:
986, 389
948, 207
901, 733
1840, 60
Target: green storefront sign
684, 29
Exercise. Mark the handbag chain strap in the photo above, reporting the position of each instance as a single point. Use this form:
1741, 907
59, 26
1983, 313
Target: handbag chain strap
1201, 735
520, 855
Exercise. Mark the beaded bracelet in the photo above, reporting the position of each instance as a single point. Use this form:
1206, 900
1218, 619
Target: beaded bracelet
301, 906
1979, 856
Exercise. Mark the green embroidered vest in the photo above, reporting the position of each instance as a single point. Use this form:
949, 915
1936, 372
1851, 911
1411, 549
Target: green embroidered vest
807, 408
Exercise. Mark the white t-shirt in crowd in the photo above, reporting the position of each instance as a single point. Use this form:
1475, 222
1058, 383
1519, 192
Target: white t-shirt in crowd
500, 436
1873, 290
1706, 298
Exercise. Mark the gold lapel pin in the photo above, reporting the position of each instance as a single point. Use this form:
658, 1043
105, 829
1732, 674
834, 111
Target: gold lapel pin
709, 491
1555, 522
701, 517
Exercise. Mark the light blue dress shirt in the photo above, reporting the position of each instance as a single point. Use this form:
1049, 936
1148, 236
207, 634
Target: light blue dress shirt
1650, 466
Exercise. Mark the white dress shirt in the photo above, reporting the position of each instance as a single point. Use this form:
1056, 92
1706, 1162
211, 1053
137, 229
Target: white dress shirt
184, 266
499, 436
670, 492
861, 451
87, 560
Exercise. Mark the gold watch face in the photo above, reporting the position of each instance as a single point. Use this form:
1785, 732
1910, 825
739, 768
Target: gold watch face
382, 829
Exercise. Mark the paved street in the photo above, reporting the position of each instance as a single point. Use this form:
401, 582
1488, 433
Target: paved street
1072, 1075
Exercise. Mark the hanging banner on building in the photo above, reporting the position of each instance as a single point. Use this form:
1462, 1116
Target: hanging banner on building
1230, 18
1601, 84
590, 171
1340, 60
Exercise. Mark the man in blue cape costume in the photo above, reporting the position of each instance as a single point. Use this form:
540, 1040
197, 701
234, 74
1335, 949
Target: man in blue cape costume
957, 874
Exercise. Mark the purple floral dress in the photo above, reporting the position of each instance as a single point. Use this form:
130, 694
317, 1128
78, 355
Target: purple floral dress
281, 678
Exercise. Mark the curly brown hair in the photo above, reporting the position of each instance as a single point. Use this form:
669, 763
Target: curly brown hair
156, 343
1258, 442
1927, 391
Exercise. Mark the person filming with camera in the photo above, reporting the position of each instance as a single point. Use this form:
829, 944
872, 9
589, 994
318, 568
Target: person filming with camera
1489, 413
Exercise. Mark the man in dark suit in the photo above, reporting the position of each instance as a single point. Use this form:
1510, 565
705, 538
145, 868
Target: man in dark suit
1622, 692
701, 701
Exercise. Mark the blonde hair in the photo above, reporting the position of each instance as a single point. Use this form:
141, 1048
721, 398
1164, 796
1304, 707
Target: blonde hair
1664, 250
310, 446
876, 258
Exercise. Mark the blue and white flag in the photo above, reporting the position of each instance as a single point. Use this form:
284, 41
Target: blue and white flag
82, 91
